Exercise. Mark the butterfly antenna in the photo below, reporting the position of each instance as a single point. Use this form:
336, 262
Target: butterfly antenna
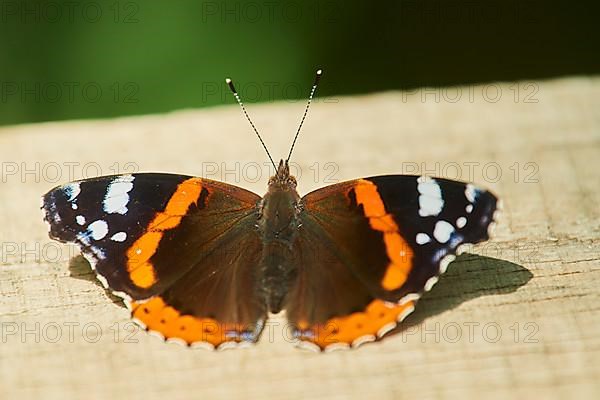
239, 100
310, 97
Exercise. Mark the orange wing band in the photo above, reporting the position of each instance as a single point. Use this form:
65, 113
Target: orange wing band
398, 251
141, 271
160, 317
378, 319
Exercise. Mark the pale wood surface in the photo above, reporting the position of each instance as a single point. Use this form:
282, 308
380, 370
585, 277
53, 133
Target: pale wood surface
537, 282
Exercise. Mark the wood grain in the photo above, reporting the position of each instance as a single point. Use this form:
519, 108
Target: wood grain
518, 316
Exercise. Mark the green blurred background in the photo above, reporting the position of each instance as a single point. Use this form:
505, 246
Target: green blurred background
98, 59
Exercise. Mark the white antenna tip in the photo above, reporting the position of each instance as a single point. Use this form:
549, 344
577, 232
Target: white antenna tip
319, 71
227, 80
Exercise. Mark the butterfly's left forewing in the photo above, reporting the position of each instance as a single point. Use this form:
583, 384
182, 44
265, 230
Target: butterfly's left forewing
368, 249
181, 250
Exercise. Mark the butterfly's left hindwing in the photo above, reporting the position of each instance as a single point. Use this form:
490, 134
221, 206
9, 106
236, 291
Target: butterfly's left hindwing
181, 249
369, 248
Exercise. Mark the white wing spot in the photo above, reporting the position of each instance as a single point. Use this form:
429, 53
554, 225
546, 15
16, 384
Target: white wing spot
72, 190
409, 297
98, 229
442, 231
117, 197
386, 328
80, 219
429, 187
102, 280
98, 252
461, 222
445, 262
430, 206
405, 313
430, 282
423, 238
430, 199
471, 192
469, 208
119, 237
74, 206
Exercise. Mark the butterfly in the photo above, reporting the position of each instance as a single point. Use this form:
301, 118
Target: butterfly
205, 263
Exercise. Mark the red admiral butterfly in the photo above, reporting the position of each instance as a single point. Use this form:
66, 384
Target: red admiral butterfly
202, 261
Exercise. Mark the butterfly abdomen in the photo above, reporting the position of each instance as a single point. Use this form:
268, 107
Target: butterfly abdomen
278, 225
277, 273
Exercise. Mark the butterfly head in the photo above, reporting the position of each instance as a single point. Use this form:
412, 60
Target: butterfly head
282, 180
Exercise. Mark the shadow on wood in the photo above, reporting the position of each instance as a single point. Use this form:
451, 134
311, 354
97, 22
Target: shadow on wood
80, 268
468, 277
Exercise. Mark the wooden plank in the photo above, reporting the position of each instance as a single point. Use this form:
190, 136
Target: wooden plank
520, 318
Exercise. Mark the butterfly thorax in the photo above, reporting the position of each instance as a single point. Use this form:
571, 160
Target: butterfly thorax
279, 208
278, 225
